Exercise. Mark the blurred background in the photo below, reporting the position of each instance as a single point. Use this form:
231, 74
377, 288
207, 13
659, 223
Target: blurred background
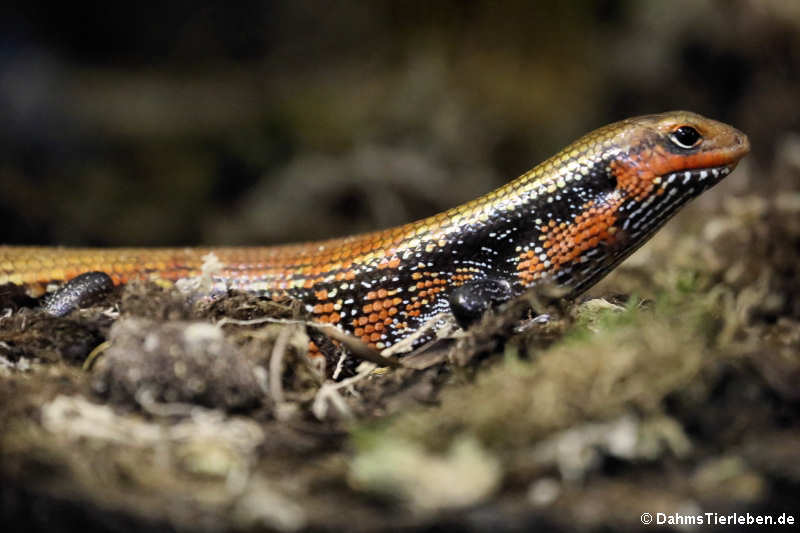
191, 122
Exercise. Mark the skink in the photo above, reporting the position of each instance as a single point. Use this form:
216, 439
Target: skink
569, 220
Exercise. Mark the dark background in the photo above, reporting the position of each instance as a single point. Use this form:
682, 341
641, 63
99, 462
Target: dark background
185, 122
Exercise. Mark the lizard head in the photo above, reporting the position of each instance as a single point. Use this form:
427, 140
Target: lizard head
677, 151
602, 197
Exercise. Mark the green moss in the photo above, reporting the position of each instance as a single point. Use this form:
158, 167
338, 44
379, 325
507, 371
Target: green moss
614, 359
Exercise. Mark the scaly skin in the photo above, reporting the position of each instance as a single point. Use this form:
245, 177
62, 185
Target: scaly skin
570, 219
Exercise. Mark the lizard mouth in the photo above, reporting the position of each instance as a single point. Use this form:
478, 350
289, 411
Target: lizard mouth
697, 176
675, 189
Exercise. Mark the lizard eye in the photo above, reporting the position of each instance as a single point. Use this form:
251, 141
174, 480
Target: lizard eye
685, 137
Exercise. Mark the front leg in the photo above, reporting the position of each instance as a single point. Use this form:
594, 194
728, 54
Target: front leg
77, 292
469, 301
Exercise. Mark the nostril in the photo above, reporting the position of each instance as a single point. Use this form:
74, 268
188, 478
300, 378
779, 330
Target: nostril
743, 141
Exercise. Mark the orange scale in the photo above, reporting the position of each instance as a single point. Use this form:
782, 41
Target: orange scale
313, 350
362, 321
373, 317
